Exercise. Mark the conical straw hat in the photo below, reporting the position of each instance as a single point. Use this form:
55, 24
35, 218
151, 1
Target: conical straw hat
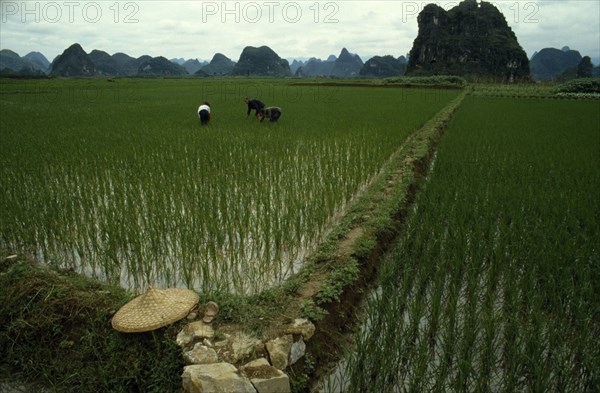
154, 309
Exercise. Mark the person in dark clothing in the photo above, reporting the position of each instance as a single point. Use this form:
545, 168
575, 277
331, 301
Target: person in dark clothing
255, 104
273, 113
204, 113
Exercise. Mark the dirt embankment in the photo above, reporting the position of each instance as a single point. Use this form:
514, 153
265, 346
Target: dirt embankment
369, 232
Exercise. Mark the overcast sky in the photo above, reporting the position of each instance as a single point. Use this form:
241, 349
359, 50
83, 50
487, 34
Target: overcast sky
293, 29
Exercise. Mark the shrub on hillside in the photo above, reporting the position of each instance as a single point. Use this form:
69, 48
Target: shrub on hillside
581, 85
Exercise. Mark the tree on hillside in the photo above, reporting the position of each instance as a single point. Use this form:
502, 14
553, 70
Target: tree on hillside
585, 68
383, 66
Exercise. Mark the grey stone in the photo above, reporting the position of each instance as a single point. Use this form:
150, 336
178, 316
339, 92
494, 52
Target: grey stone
297, 351
266, 378
301, 326
215, 378
194, 331
201, 354
243, 345
279, 351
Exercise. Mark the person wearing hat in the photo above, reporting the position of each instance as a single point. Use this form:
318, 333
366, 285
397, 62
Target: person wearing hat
254, 104
273, 113
204, 113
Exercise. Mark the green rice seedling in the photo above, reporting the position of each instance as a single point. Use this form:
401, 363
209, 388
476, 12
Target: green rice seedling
499, 256
119, 180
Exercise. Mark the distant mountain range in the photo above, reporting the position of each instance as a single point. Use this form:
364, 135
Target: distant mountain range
384, 66
261, 61
557, 64
219, 65
33, 63
471, 39
546, 65
314, 67
345, 65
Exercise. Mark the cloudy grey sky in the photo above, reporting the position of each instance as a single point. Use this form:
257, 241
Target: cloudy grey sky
293, 29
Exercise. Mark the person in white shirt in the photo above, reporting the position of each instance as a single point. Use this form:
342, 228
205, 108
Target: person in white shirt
204, 113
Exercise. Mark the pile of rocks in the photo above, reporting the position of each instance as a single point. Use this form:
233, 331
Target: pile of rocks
212, 363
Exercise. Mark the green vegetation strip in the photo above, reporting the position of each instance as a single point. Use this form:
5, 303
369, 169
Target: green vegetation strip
583, 88
435, 82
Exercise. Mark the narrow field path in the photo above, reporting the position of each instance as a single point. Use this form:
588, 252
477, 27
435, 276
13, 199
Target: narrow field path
369, 230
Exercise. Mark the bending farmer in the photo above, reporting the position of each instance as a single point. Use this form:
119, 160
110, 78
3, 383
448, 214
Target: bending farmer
204, 113
272, 112
255, 104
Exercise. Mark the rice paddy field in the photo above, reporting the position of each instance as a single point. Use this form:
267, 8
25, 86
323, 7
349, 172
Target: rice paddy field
494, 284
117, 179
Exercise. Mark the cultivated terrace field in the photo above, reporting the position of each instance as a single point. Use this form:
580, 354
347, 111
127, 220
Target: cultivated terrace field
118, 179
493, 286
468, 215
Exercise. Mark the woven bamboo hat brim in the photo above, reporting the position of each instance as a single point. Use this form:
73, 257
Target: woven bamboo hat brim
154, 309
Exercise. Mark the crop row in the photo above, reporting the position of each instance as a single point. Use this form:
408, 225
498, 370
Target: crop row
493, 285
